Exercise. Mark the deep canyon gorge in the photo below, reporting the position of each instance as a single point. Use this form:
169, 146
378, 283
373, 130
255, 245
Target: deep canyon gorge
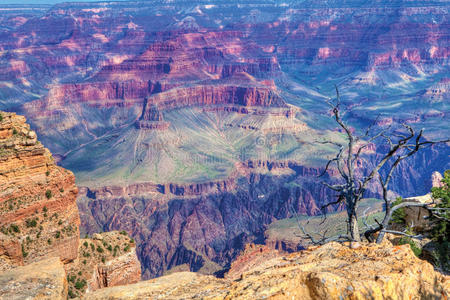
193, 126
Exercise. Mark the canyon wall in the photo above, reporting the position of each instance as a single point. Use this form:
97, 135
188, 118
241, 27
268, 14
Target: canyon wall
37, 197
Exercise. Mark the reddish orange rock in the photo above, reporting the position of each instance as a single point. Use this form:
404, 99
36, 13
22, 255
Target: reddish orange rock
38, 212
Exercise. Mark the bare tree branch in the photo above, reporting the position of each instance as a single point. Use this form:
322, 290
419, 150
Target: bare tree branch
402, 143
419, 236
335, 187
339, 200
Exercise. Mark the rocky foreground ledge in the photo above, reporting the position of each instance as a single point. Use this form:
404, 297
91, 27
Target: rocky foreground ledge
332, 271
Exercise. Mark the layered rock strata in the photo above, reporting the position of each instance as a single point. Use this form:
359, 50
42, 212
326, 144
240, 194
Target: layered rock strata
37, 198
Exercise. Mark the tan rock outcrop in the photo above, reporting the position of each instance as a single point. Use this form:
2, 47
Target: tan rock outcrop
124, 269
332, 271
107, 259
45, 279
436, 179
37, 198
10, 252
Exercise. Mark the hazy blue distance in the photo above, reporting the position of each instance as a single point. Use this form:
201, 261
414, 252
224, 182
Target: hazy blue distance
44, 1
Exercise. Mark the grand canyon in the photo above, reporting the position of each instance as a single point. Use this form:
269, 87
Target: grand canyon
194, 126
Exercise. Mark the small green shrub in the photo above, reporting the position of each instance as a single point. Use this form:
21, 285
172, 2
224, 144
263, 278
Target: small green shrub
24, 253
99, 249
14, 131
47, 173
399, 215
15, 228
80, 284
31, 223
407, 240
48, 194
441, 231
85, 244
45, 207
127, 247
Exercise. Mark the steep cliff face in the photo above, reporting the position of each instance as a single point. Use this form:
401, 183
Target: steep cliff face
218, 95
106, 259
37, 198
332, 271
151, 117
98, 93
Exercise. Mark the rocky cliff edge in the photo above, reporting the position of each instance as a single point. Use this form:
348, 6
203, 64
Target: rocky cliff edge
332, 271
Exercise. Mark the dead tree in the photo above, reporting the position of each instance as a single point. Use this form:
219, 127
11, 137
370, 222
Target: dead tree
402, 143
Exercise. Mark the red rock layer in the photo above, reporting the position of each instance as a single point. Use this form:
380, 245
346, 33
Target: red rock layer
37, 198
252, 256
110, 90
190, 189
217, 95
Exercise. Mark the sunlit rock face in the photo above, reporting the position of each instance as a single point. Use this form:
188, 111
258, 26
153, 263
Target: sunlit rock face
193, 124
332, 271
39, 215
